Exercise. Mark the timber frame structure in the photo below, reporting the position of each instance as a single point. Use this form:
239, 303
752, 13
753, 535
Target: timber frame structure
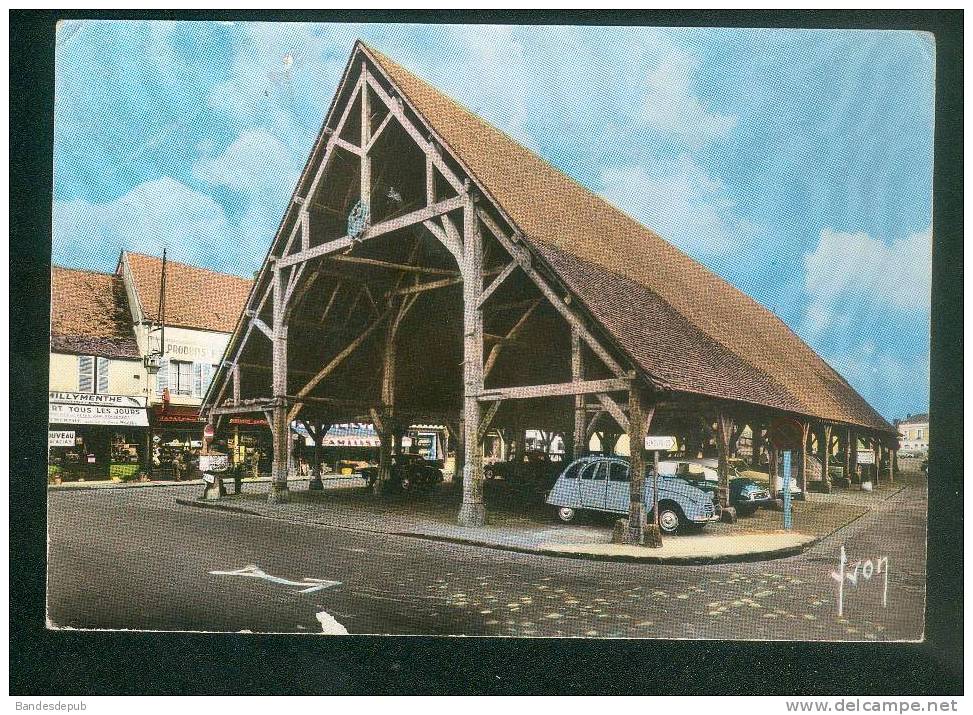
399, 289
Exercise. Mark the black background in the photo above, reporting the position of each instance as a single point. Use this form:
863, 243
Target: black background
46, 662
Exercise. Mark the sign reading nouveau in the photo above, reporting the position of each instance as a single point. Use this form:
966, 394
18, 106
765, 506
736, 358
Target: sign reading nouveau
87, 409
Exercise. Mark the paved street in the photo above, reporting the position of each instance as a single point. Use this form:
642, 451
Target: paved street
134, 559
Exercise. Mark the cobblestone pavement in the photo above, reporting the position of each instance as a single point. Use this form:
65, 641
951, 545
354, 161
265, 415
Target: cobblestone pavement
133, 559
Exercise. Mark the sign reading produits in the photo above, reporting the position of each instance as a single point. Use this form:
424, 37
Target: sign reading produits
657, 443
60, 438
88, 409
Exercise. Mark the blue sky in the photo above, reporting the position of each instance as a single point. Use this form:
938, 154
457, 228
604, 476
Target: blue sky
797, 164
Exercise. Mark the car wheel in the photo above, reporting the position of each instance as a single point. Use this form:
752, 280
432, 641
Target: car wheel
670, 518
565, 514
488, 473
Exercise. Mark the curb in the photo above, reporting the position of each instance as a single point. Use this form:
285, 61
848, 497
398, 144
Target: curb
199, 503
780, 553
149, 485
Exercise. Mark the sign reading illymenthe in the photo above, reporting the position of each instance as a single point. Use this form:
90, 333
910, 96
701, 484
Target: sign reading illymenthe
86, 409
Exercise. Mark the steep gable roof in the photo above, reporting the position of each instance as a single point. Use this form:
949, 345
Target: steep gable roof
90, 315
674, 317
195, 297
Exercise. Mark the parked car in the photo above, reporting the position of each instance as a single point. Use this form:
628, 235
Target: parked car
601, 484
409, 473
537, 473
746, 495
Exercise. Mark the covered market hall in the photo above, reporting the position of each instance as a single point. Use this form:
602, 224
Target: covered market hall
429, 269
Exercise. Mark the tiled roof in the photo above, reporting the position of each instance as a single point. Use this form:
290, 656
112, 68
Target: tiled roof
920, 419
90, 315
649, 296
195, 297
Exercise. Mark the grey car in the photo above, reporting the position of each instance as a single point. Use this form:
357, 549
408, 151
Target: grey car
601, 484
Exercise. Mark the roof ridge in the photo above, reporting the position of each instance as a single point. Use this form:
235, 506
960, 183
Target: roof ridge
89, 271
189, 265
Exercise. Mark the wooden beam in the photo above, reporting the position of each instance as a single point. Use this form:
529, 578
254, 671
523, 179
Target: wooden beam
261, 325
374, 231
360, 260
614, 410
423, 287
453, 246
511, 335
491, 289
399, 113
341, 356
348, 146
378, 132
584, 387
519, 254
487, 419
241, 409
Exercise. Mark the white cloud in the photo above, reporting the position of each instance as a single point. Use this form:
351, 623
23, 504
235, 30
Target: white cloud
671, 105
854, 269
255, 159
682, 203
158, 213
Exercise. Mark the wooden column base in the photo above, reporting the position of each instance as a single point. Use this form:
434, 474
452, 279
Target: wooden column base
279, 493
472, 514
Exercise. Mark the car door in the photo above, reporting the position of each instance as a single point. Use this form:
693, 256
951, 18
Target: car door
594, 480
618, 494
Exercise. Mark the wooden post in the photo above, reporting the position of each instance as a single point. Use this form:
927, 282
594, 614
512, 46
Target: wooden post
893, 465
278, 485
236, 383
802, 460
319, 430
579, 445
756, 444
724, 426
473, 510
877, 451
366, 135
772, 472
638, 421
853, 457
825, 455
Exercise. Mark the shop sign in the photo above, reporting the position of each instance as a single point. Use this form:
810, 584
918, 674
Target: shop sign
866, 457
85, 398
60, 438
85, 409
658, 443
254, 421
213, 462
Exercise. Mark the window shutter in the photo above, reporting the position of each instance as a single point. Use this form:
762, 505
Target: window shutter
86, 373
197, 379
162, 377
102, 376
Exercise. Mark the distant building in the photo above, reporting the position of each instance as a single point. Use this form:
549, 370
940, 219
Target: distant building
98, 385
914, 433
201, 310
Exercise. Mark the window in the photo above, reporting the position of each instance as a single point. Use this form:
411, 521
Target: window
93, 374
572, 471
618, 472
180, 377
919, 433
202, 376
595, 470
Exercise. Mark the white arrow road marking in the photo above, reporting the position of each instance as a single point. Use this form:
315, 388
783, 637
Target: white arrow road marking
329, 626
310, 584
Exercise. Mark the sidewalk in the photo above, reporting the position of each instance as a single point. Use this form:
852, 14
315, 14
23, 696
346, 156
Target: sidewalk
531, 529
108, 484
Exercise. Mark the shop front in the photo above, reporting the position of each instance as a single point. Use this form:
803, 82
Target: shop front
95, 437
250, 445
177, 437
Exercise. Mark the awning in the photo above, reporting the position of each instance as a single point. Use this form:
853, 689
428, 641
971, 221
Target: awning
176, 416
79, 408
